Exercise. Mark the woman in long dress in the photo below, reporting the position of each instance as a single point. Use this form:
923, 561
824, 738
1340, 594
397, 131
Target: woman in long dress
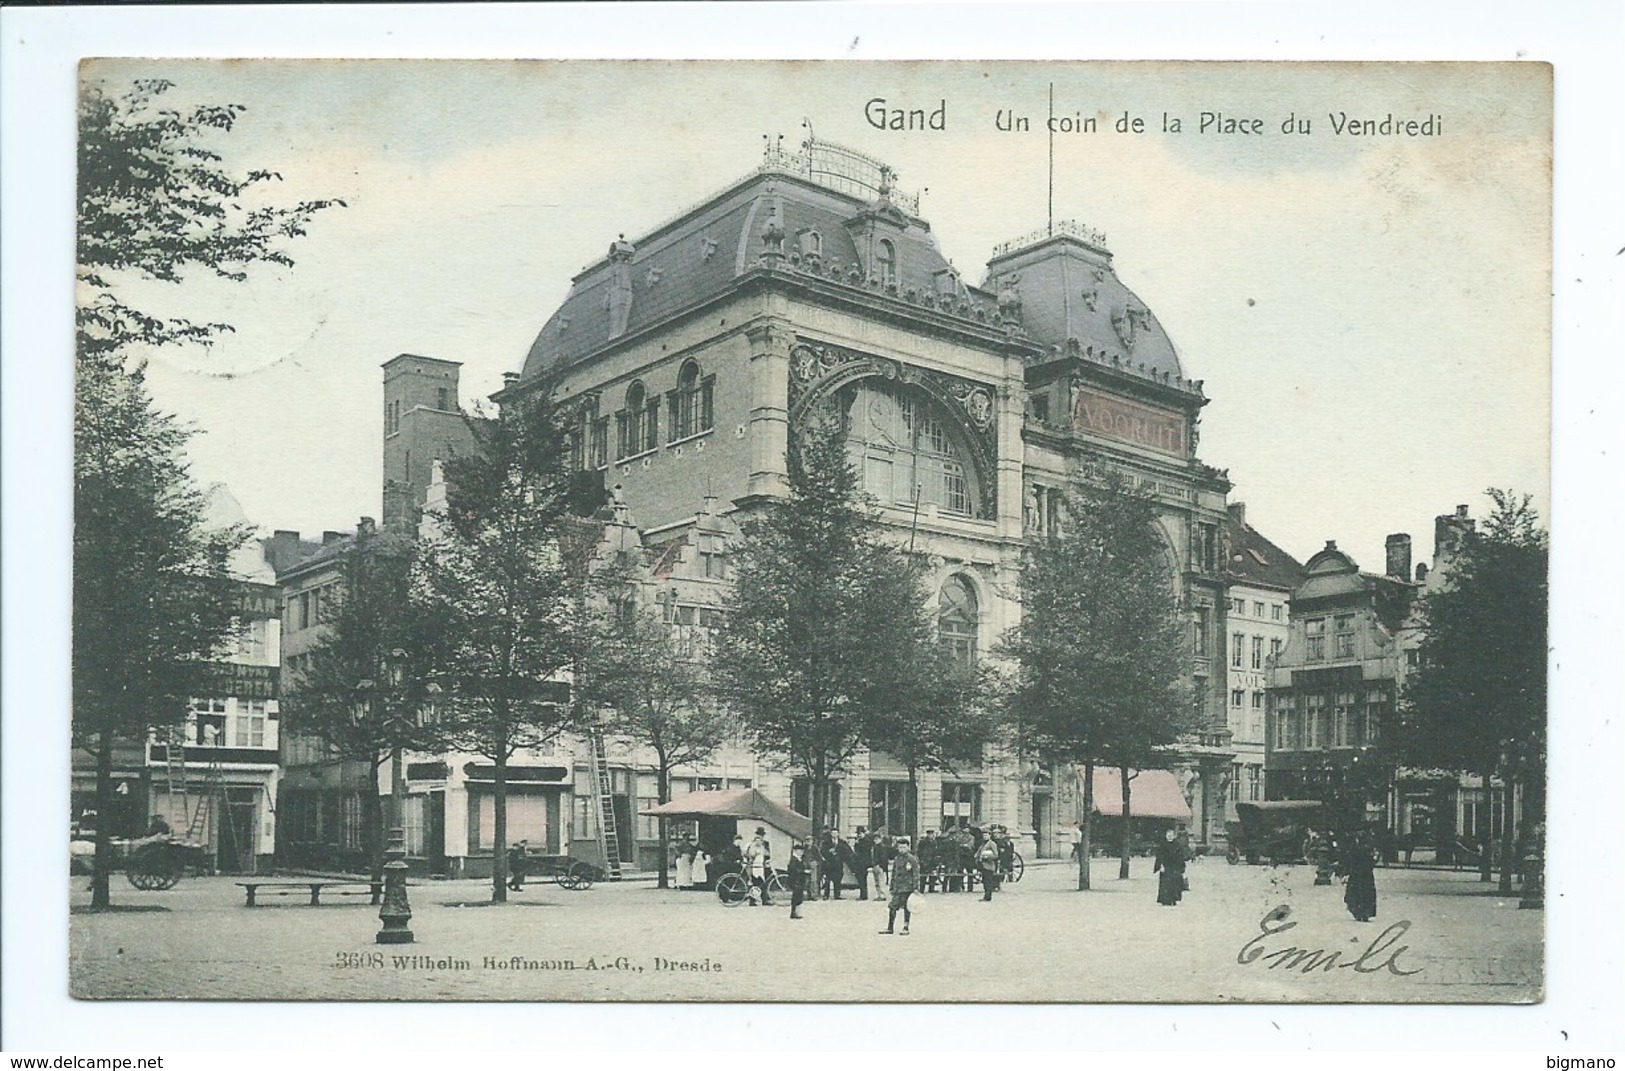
1360, 896
1170, 870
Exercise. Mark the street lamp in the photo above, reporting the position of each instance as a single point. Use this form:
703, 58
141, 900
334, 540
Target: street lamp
396, 911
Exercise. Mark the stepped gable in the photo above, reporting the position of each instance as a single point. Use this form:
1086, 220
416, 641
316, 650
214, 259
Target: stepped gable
704, 252
1072, 301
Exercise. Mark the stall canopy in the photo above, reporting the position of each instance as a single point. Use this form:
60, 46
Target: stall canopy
736, 803
1152, 794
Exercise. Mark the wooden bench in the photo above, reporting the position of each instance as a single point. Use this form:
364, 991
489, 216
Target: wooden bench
290, 887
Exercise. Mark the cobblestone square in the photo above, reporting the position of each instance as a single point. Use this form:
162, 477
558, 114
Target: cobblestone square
1440, 937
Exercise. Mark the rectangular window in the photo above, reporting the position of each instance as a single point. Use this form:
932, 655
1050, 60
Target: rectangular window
1344, 638
891, 807
1258, 609
443, 400
1315, 632
623, 434
1275, 649
1041, 408
1237, 696
801, 799
1275, 611
651, 425
1200, 640
1237, 642
961, 805
598, 453
1314, 721
1258, 652
707, 403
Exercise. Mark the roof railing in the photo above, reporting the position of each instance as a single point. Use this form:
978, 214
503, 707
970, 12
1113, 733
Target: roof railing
1064, 228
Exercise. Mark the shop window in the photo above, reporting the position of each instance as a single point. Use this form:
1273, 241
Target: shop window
961, 805
891, 807
801, 799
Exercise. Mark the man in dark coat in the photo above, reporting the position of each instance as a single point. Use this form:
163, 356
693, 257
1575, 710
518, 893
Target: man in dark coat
836, 860
799, 876
518, 863
1170, 868
863, 855
927, 860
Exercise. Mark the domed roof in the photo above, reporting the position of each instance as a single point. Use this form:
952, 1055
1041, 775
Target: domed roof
702, 253
1072, 299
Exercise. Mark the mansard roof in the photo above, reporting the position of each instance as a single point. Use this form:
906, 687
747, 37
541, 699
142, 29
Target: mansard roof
703, 253
1073, 301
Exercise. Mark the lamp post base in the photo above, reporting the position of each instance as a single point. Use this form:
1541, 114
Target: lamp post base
397, 911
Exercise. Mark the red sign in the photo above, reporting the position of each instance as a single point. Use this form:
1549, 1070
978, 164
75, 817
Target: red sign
1130, 422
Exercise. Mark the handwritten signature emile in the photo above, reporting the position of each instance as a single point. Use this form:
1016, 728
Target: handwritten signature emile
1308, 960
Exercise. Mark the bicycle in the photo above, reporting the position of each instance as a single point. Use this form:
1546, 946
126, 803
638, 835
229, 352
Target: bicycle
734, 888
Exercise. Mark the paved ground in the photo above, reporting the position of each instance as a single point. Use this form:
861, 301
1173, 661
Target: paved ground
1039, 941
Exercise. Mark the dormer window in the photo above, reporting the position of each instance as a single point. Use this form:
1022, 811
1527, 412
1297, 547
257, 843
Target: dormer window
810, 244
886, 262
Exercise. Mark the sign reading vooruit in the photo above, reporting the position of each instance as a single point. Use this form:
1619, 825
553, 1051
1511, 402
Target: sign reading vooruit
1101, 414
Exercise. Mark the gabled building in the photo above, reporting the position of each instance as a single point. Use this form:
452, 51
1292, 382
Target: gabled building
1260, 579
1335, 686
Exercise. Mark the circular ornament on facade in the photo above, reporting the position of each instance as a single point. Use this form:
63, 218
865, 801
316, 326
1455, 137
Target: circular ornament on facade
805, 362
979, 404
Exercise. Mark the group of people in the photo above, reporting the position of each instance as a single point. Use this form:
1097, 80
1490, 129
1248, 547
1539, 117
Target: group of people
961, 858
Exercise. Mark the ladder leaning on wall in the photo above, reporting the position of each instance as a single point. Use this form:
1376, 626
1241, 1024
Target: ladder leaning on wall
608, 842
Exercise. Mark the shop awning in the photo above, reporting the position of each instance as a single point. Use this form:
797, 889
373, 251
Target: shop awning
1152, 794
736, 803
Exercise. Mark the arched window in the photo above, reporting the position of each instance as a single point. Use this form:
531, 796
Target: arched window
957, 619
886, 262
637, 427
690, 408
901, 449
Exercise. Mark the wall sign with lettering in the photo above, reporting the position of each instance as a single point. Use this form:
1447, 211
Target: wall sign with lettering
1116, 418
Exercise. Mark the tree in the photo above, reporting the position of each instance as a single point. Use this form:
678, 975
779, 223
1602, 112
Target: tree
824, 621
943, 721
498, 597
349, 697
1100, 654
651, 685
156, 202
152, 597
1477, 699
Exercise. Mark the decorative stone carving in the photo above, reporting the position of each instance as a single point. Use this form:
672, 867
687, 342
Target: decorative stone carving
1123, 322
1091, 297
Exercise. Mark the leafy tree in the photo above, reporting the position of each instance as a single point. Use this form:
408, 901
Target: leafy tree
157, 202
1477, 700
358, 694
152, 599
652, 688
943, 721
824, 623
498, 597
1100, 652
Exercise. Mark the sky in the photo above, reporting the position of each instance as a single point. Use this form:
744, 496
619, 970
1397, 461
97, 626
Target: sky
1370, 314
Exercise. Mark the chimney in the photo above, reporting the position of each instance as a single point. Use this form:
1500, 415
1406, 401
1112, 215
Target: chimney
1399, 555
510, 379
331, 537
1449, 530
1421, 572
1238, 513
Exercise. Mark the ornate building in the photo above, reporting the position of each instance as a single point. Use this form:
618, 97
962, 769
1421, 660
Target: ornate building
690, 352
